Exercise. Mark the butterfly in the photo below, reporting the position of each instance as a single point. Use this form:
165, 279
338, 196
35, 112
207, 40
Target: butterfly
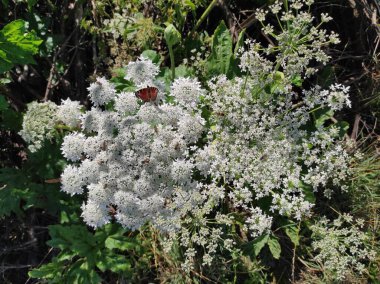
148, 94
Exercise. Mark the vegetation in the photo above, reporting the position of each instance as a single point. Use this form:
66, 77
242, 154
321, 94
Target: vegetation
189, 141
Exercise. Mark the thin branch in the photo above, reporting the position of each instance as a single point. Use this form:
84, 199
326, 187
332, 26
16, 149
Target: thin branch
49, 85
4, 268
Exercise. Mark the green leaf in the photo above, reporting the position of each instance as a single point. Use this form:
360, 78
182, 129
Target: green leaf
50, 270
3, 103
190, 4
343, 127
292, 231
274, 247
75, 238
259, 243
108, 230
308, 191
122, 84
322, 115
182, 71
172, 35
239, 42
119, 242
11, 120
10, 201
152, 55
82, 273
297, 81
221, 51
17, 46
114, 262
4, 81
326, 77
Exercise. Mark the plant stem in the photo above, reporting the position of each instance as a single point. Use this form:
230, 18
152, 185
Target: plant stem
172, 63
205, 14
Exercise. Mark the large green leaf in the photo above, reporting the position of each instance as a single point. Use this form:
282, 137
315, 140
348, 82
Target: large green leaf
75, 238
17, 45
221, 51
292, 231
82, 272
259, 243
50, 270
119, 242
10, 201
113, 262
274, 247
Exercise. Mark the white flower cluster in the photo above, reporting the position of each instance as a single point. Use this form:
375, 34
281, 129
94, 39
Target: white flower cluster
134, 160
38, 124
69, 112
260, 147
142, 72
342, 248
40, 120
187, 92
265, 153
101, 92
295, 42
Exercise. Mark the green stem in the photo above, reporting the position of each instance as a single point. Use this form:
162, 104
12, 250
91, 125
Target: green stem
205, 14
172, 63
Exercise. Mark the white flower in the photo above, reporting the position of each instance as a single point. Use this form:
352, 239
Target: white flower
38, 124
181, 171
341, 247
94, 214
187, 92
135, 157
69, 112
338, 97
258, 223
72, 180
126, 103
143, 71
73, 146
90, 120
101, 91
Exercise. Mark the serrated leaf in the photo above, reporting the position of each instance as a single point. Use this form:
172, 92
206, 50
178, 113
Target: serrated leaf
274, 247
114, 262
221, 51
259, 243
292, 232
108, 230
49, 271
119, 242
75, 238
82, 273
